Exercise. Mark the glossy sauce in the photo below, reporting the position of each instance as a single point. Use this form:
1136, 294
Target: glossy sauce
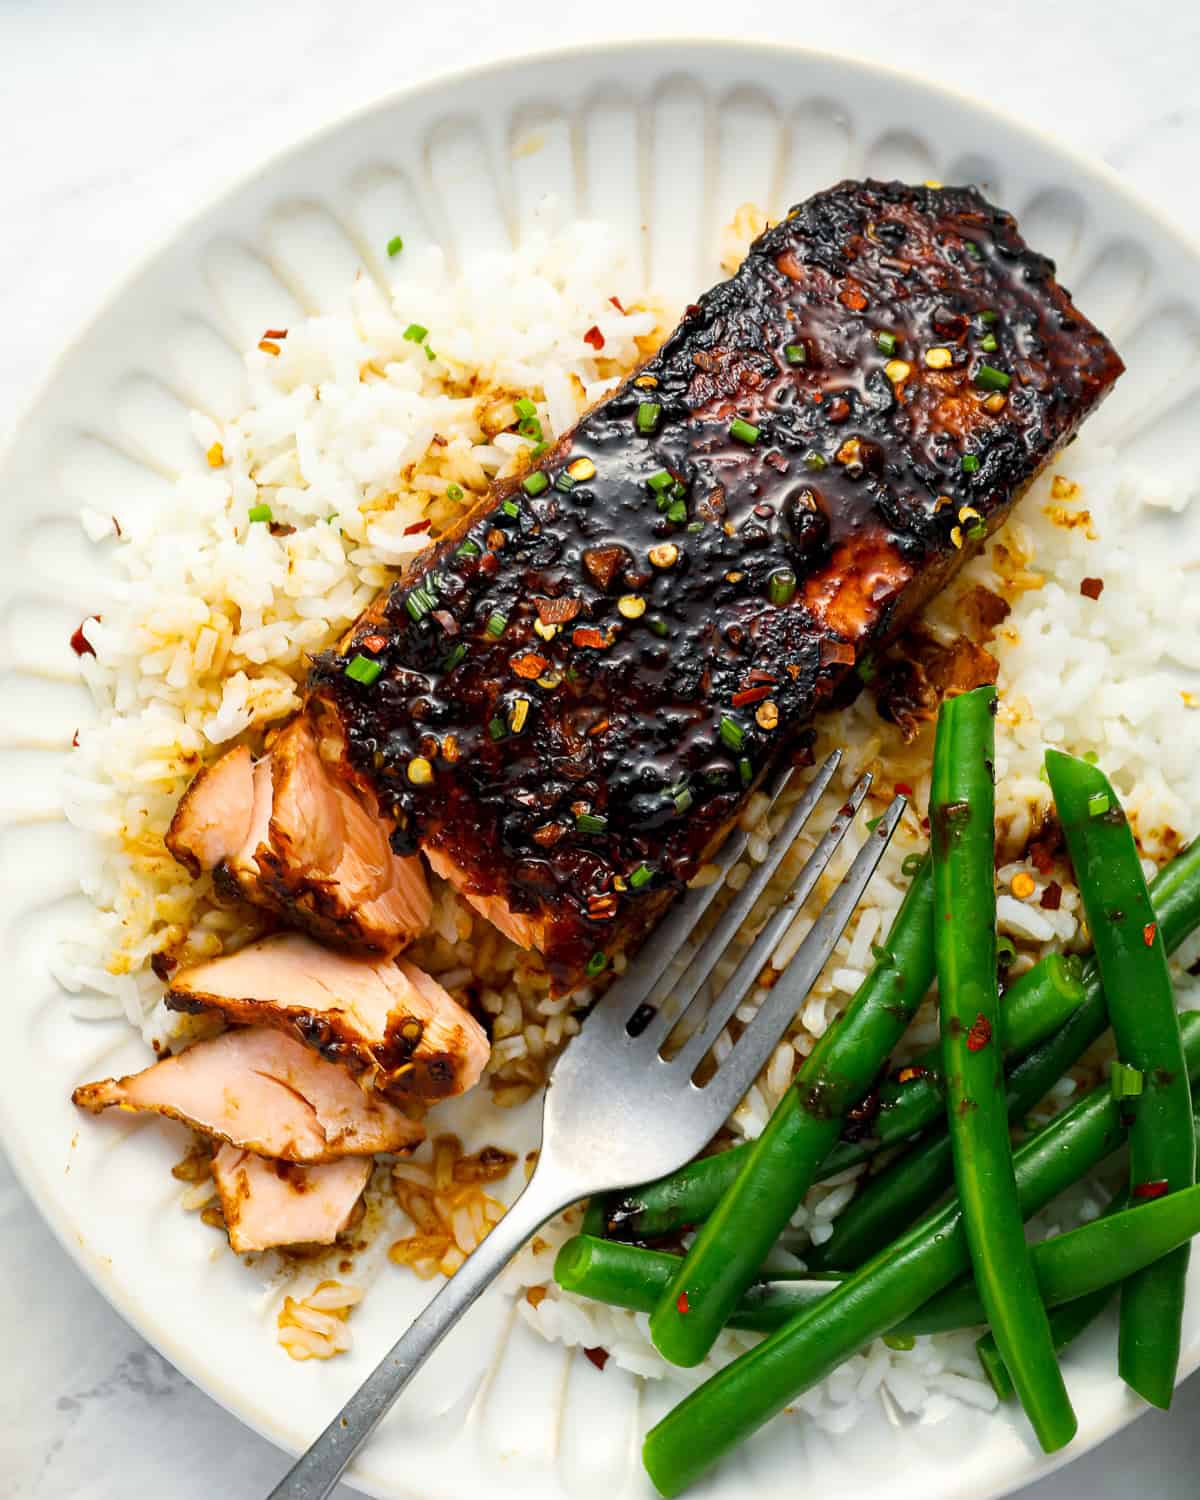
584, 777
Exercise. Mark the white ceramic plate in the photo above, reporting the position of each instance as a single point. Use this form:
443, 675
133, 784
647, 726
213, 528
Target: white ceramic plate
663, 139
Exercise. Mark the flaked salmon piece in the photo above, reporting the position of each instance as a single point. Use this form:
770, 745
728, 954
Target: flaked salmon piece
525, 931
287, 834
267, 1204
263, 1091
212, 821
382, 1017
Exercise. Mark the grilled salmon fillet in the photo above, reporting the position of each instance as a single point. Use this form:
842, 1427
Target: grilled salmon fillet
271, 1203
385, 1019
569, 698
262, 1091
293, 836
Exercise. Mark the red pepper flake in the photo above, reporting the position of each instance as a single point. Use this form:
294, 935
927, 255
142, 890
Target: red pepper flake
757, 675
587, 635
557, 611
594, 337
836, 653
373, 642
904, 789
907, 1075
1148, 933
1051, 897
980, 1033
418, 526
839, 409
1091, 588
275, 333
750, 695
75, 740
616, 302
681, 1304
853, 298
599, 1357
80, 643
529, 664
1157, 1189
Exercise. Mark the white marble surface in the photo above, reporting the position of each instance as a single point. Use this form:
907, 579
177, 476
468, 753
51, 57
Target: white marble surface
116, 121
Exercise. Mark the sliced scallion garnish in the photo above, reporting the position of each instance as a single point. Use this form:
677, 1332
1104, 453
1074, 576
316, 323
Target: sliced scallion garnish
364, 670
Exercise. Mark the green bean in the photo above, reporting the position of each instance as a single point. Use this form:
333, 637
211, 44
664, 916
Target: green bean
1067, 1321
1034, 1006
1046, 991
1071, 1269
962, 805
897, 1196
726, 1409
1133, 964
783, 1163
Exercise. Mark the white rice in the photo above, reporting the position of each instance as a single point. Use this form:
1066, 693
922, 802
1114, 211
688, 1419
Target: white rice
353, 437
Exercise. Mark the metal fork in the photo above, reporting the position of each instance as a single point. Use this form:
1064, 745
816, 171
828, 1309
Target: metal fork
617, 1111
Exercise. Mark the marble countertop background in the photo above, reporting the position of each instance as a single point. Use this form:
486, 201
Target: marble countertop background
116, 121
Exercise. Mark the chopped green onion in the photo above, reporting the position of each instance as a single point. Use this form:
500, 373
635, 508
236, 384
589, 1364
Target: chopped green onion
988, 315
648, 413
525, 407
259, 513
468, 548
420, 601
912, 863
530, 427
976, 531
732, 733
988, 378
781, 586
970, 463
745, 771
596, 964
415, 334
972, 249
873, 823
886, 342
658, 625
363, 669
643, 875
1098, 805
660, 481
682, 798
901, 1342
1006, 950
695, 527
395, 245
677, 512
744, 432
679, 490
795, 354
988, 343
430, 354
564, 482
538, 449
509, 508
534, 484
454, 492
814, 460
454, 656
1126, 1082
590, 823
497, 624
497, 728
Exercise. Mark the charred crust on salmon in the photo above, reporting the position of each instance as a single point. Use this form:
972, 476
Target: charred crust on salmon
808, 458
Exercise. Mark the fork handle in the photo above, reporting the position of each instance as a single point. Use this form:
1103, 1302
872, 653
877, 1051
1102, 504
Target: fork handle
315, 1473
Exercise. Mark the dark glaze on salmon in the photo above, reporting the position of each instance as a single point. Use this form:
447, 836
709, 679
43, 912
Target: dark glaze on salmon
903, 366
